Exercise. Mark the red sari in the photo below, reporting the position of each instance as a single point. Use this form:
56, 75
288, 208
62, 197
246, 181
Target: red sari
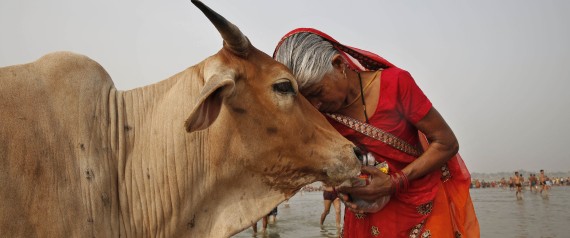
423, 210
436, 205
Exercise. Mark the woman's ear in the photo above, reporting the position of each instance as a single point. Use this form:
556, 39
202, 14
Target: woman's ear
338, 62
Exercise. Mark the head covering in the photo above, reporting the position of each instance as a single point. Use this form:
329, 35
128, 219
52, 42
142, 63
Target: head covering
358, 60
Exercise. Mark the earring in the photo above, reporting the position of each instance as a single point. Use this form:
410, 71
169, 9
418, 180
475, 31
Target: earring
343, 71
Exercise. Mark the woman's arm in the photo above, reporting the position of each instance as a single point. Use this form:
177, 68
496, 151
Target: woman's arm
443, 145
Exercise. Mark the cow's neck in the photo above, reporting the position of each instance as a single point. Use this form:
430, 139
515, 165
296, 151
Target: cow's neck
234, 197
243, 203
173, 183
154, 166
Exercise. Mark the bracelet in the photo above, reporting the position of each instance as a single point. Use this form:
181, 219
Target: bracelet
394, 188
405, 181
400, 182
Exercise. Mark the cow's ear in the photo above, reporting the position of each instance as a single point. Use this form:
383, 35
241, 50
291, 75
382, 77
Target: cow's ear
209, 102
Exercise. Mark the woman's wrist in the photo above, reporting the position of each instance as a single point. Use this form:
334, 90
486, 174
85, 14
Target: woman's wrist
400, 182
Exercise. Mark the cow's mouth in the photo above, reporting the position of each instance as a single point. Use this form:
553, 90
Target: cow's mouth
341, 173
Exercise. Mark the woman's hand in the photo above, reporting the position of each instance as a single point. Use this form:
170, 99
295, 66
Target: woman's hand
344, 198
380, 186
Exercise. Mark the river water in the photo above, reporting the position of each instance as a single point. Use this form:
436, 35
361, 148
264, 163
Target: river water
500, 214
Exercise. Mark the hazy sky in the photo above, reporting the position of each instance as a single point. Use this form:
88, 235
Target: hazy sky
498, 71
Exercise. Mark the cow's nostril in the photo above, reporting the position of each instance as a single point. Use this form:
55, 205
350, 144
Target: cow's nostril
359, 154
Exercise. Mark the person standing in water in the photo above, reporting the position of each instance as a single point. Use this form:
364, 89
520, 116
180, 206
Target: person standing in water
330, 197
518, 184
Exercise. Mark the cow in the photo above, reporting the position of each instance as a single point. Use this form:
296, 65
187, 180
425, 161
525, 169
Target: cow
204, 153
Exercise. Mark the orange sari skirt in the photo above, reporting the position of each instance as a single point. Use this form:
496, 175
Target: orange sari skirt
451, 215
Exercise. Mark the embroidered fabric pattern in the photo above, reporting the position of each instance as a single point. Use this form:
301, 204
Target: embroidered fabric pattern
365, 61
458, 234
415, 231
425, 208
426, 234
445, 174
376, 133
359, 216
374, 231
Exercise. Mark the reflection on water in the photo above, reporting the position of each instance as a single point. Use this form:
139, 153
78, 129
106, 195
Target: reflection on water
500, 215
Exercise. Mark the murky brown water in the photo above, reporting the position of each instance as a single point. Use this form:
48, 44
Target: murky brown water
500, 215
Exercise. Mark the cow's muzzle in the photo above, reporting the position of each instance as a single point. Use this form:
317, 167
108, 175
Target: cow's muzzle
359, 154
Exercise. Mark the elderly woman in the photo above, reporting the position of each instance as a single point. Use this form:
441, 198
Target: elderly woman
380, 108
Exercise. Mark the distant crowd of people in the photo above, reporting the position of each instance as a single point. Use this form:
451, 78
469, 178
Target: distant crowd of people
540, 183
531, 182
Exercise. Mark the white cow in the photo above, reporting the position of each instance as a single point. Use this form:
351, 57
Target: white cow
204, 153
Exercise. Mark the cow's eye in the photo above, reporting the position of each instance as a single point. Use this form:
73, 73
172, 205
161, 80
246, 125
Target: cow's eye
283, 87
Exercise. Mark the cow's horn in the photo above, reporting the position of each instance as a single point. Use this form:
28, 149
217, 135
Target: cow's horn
234, 39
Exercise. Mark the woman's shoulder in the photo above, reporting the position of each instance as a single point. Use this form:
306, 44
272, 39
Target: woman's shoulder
397, 71
398, 77
393, 73
392, 76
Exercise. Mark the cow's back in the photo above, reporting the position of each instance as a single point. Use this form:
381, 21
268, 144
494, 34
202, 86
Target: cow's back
57, 166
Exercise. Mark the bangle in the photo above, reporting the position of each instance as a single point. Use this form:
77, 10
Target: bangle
406, 182
400, 182
395, 183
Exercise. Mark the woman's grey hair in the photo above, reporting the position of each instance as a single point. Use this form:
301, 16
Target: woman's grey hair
308, 56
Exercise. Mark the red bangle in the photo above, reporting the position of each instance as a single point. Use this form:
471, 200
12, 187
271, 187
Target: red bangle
394, 188
405, 181
400, 182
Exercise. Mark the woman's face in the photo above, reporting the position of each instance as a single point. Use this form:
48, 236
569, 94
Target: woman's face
329, 94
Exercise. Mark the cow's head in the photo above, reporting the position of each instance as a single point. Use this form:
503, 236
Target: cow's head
277, 133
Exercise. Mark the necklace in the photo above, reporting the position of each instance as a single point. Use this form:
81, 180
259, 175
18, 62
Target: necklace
362, 90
